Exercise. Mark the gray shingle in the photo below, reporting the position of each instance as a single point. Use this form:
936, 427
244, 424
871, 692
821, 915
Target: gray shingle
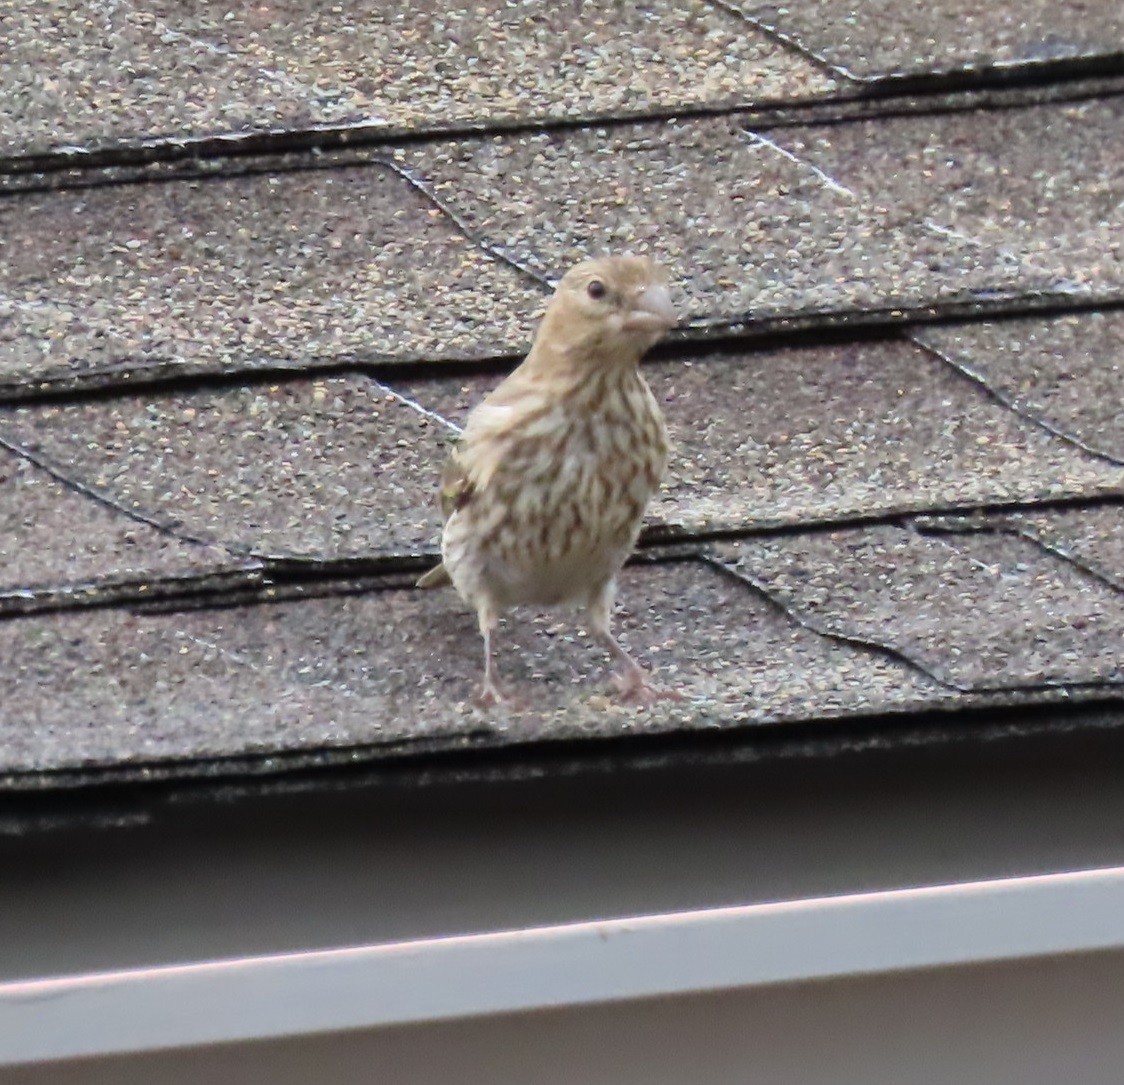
76, 74
298, 268
1042, 185
878, 38
55, 542
278, 269
826, 433
319, 468
876, 215
1093, 536
1067, 371
982, 611
394, 667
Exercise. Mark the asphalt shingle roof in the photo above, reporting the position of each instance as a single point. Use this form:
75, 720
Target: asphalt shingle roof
880, 39
136, 70
329, 468
257, 266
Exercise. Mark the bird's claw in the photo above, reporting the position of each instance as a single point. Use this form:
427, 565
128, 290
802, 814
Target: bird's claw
634, 687
491, 696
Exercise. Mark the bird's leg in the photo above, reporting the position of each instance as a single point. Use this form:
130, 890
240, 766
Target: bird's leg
631, 680
490, 693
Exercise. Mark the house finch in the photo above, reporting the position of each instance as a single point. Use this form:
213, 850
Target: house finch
546, 489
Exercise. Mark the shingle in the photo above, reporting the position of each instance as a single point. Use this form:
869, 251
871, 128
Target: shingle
1067, 370
824, 433
983, 611
1093, 536
54, 541
748, 229
302, 267
331, 260
878, 38
275, 269
1044, 185
112, 688
77, 74
447, 63
854, 430
319, 468
341, 468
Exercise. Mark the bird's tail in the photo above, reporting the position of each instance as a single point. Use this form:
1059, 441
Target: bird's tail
437, 577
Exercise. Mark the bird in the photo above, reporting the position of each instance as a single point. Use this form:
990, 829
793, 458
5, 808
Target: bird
545, 489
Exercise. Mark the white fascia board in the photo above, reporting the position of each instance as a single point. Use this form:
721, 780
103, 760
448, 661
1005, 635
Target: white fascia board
567, 965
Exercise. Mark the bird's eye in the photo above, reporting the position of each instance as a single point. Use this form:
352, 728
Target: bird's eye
596, 289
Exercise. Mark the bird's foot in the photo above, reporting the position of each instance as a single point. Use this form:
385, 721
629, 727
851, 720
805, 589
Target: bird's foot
635, 687
491, 696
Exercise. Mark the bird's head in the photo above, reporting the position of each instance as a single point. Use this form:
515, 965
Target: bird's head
613, 308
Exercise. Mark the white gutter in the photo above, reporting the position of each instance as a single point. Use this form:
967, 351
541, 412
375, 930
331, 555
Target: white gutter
574, 964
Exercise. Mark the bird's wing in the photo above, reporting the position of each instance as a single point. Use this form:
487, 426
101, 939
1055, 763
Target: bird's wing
456, 483
477, 453
492, 428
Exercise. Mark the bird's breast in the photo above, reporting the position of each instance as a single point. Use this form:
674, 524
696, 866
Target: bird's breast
587, 483
565, 503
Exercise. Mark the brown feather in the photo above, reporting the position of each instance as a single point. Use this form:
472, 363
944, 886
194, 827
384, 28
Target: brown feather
456, 488
546, 489
437, 577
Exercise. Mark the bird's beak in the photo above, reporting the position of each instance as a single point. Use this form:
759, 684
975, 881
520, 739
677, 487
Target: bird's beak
651, 311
